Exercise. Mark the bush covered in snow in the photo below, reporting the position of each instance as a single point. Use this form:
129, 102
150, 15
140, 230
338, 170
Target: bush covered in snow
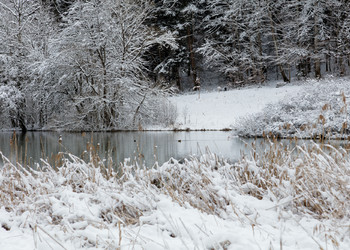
10, 100
271, 200
320, 109
141, 112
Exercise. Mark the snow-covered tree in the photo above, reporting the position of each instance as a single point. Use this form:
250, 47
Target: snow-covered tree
16, 38
245, 38
315, 31
234, 40
95, 74
183, 19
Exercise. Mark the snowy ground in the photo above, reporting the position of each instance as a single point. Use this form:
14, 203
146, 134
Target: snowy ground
221, 109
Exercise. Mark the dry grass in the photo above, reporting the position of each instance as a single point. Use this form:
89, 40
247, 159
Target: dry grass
308, 179
314, 177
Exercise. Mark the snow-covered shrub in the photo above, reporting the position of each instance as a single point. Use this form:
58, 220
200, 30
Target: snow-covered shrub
10, 99
139, 112
159, 112
320, 109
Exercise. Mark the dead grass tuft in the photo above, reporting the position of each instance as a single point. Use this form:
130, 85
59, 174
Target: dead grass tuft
315, 178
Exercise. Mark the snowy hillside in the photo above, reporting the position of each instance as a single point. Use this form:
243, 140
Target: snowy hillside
222, 109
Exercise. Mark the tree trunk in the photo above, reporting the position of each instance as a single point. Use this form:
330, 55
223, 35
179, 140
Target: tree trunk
192, 59
261, 67
273, 31
317, 60
317, 68
341, 66
22, 125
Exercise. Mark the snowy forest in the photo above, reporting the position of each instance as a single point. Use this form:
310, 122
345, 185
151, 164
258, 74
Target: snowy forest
105, 65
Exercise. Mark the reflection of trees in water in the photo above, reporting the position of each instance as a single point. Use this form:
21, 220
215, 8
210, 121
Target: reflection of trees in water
142, 147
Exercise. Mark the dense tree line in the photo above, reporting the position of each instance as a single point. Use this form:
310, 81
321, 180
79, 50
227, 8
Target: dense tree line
91, 64
250, 41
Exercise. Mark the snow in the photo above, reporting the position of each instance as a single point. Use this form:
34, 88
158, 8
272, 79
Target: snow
222, 109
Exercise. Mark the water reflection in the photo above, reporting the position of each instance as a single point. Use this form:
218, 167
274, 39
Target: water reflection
147, 147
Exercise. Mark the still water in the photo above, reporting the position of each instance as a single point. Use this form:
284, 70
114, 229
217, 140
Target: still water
143, 147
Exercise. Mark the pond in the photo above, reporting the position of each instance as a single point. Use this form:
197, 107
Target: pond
143, 147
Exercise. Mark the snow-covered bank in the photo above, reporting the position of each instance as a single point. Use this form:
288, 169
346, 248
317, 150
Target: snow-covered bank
273, 201
320, 108
221, 109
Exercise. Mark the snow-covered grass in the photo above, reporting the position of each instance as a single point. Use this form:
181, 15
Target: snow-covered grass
272, 200
320, 109
221, 109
